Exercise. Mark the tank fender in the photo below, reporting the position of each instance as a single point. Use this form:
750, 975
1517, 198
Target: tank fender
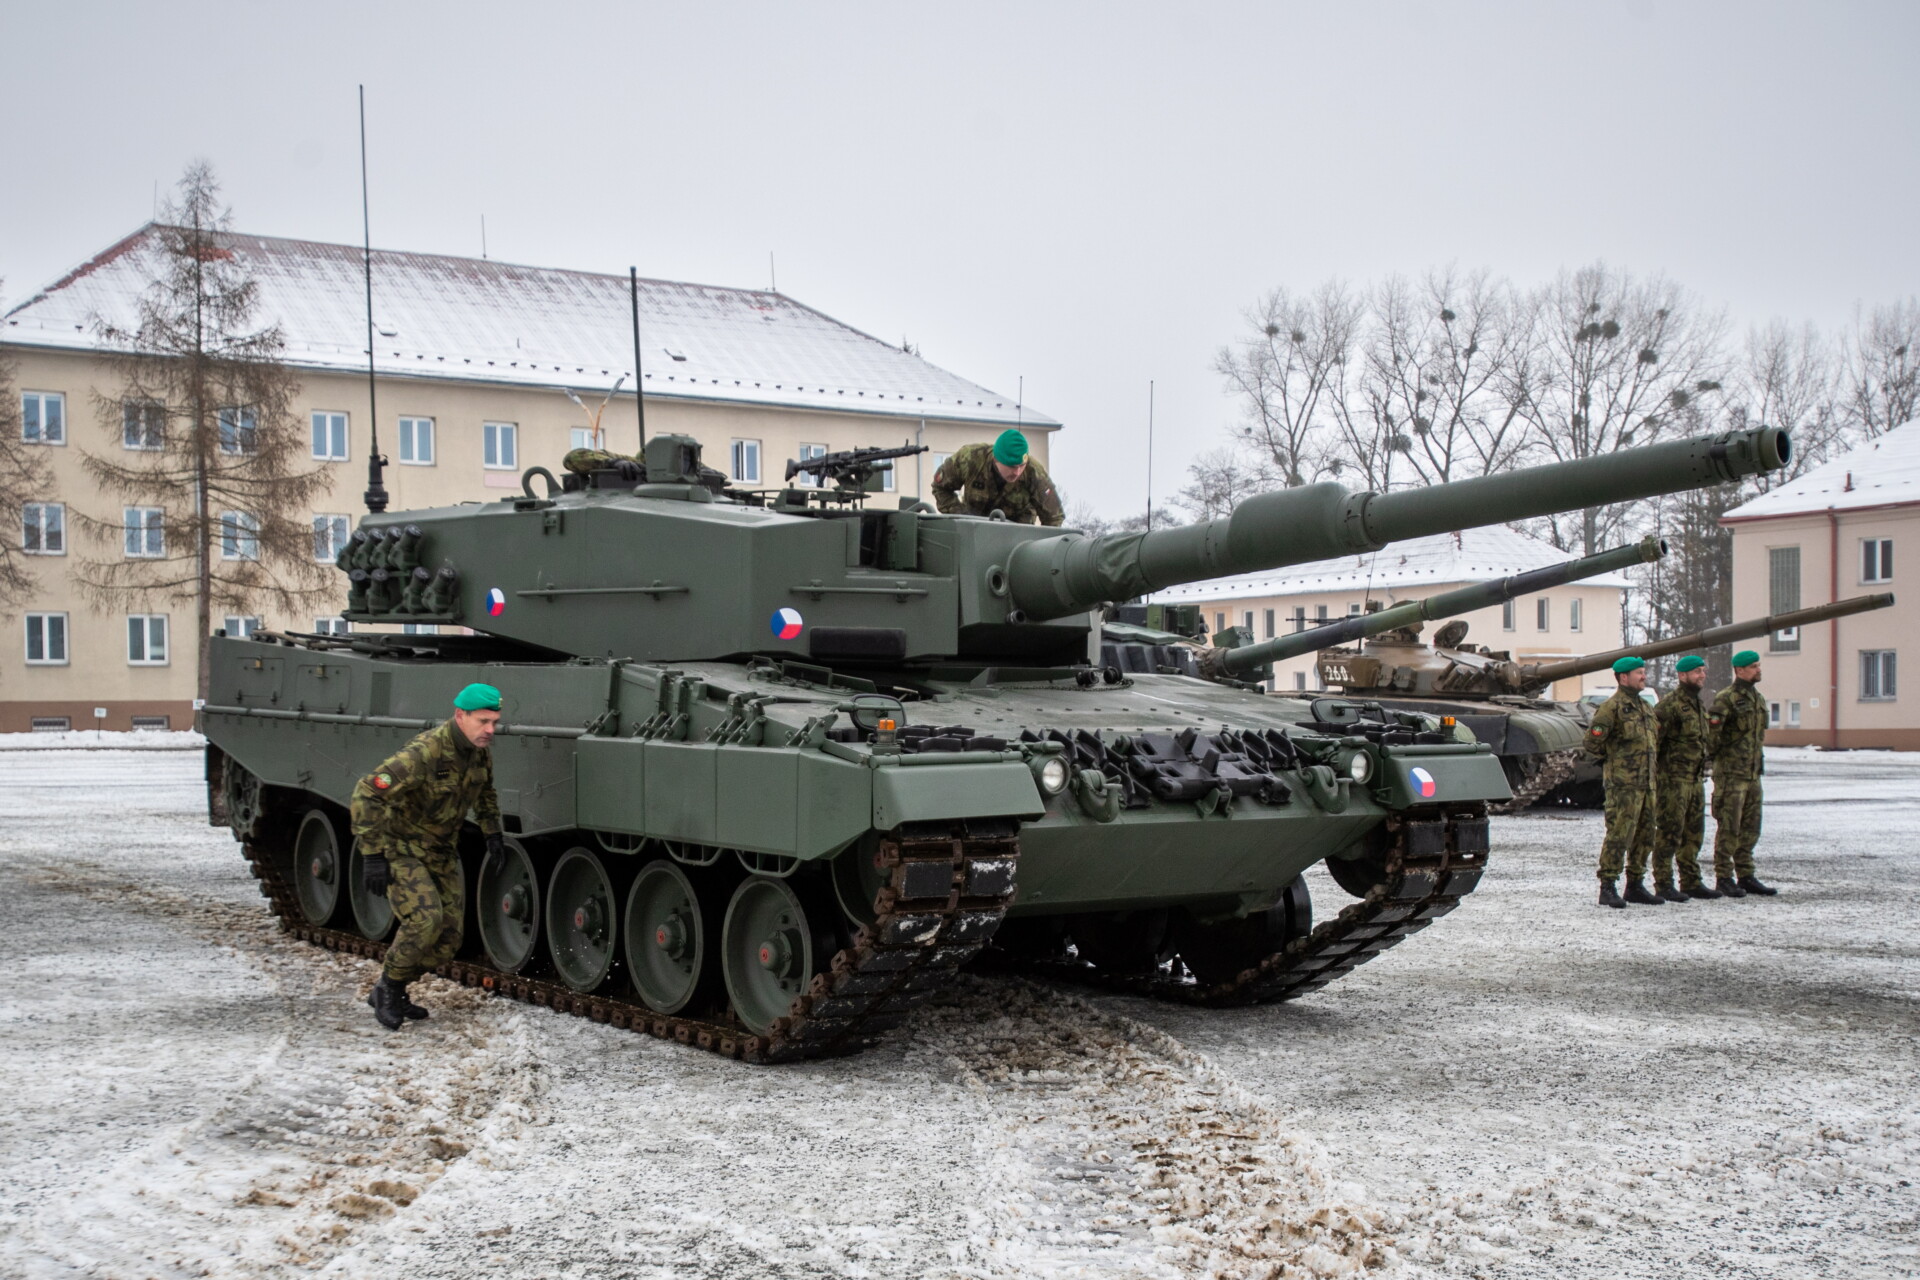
1427, 775
937, 792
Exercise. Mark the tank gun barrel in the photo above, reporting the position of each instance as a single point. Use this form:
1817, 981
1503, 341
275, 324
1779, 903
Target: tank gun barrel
1071, 573
1248, 658
1539, 675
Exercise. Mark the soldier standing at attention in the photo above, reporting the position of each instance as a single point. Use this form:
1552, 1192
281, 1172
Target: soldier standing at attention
1679, 796
407, 815
1624, 737
1736, 728
981, 478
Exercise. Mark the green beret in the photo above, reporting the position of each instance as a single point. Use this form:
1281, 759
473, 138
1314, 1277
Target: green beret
1010, 449
1745, 658
478, 697
1692, 662
1623, 665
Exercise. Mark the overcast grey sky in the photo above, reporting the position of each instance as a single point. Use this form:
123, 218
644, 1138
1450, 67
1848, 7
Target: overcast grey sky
1084, 195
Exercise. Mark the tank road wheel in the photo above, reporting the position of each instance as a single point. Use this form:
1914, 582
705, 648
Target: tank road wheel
1220, 950
770, 948
1123, 943
372, 914
318, 867
667, 937
507, 911
583, 919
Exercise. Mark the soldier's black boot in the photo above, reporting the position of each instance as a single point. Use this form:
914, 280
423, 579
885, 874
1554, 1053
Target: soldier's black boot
1703, 893
389, 1001
1729, 888
407, 1007
1670, 894
1609, 896
1638, 895
1751, 883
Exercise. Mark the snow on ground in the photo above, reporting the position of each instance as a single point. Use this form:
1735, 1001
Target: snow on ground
105, 740
1533, 1087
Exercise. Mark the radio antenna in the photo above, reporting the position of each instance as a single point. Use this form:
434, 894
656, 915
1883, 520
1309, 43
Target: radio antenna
376, 495
639, 387
1149, 455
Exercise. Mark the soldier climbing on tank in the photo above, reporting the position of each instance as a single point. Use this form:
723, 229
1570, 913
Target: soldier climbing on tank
982, 478
407, 815
1677, 784
1624, 737
1736, 729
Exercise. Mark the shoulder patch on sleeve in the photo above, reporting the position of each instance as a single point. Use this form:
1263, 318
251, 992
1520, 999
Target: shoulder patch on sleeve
381, 781
1599, 733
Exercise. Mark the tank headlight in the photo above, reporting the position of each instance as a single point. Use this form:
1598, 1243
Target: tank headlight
1053, 776
1360, 768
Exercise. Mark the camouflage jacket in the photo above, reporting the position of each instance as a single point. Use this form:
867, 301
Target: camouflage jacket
420, 794
1625, 736
1683, 733
967, 484
1736, 726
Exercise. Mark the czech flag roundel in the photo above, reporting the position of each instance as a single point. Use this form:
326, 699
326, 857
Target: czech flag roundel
496, 602
786, 623
1423, 783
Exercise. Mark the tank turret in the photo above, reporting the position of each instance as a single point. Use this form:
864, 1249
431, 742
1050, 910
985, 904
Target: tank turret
1246, 659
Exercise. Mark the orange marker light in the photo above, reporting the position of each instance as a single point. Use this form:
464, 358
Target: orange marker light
886, 726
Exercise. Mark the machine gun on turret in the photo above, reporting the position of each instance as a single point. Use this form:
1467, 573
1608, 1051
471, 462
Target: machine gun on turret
853, 471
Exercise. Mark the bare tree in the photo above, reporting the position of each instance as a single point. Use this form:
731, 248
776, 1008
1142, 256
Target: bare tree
1883, 369
1219, 481
1616, 361
1788, 378
202, 433
1083, 517
1289, 376
23, 478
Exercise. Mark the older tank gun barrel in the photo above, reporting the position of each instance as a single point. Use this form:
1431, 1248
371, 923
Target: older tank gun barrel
1247, 658
1539, 675
1070, 573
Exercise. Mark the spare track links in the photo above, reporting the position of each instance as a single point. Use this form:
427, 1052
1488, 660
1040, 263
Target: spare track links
948, 888
1418, 889
1555, 767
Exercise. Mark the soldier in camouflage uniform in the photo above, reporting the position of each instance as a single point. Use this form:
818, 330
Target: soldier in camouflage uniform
1624, 737
587, 461
1736, 728
1680, 797
407, 815
982, 478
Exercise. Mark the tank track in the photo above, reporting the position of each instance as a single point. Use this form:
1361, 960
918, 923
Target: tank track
947, 888
1417, 891
1555, 768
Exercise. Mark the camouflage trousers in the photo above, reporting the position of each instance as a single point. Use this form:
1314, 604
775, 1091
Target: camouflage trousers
1736, 812
1682, 824
1630, 828
428, 896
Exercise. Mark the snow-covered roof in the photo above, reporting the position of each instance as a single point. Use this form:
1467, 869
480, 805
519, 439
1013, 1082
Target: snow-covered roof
476, 320
1877, 474
1416, 565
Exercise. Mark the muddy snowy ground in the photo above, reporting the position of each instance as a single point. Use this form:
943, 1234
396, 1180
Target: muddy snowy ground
1534, 1087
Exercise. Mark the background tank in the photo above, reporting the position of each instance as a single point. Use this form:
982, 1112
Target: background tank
775, 764
1538, 741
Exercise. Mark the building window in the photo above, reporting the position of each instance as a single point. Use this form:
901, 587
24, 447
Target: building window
1319, 615
143, 424
939, 461
890, 478
1219, 623
330, 626
239, 535
43, 528
1573, 614
586, 438
51, 724
1268, 619
1783, 592
500, 446
1876, 560
330, 436
807, 479
416, 441
419, 629
43, 417
1542, 614
1246, 620
1299, 618
1773, 715
1876, 675
153, 722
239, 431
47, 639
1299, 682
147, 640
239, 628
1353, 610
330, 534
145, 532
1793, 715
1506, 616
746, 461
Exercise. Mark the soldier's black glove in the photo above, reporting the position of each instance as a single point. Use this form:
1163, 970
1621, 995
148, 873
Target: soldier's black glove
496, 856
375, 874
629, 469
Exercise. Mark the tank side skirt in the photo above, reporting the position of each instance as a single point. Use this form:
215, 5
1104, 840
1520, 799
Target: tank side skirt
1554, 768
